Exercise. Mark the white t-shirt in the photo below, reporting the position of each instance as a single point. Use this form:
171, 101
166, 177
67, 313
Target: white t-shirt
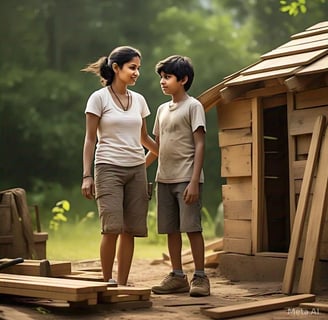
119, 131
175, 127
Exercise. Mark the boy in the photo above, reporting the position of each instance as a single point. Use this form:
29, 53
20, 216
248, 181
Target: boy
180, 132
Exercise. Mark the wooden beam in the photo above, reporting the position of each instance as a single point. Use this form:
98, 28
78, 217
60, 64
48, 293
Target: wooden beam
311, 164
258, 231
316, 221
257, 306
315, 306
298, 83
231, 93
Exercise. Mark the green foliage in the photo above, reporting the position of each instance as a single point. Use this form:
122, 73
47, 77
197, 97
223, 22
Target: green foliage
43, 93
59, 216
293, 7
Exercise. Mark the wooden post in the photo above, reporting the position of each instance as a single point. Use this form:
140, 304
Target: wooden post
311, 164
316, 221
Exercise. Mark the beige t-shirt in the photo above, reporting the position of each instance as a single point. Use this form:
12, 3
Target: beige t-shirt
119, 131
175, 125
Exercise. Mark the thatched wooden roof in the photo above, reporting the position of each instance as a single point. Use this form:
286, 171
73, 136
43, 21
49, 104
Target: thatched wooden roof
295, 64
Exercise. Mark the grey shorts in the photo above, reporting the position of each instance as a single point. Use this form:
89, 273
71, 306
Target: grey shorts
122, 199
173, 215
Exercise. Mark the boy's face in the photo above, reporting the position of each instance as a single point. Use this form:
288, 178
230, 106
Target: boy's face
169, 84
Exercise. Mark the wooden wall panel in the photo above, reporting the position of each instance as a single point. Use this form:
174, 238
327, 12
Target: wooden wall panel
236, 161
237, 191
234, 137
311, 98
242, 246
302, 146
302, 121
234, 115
240, 229
237, 209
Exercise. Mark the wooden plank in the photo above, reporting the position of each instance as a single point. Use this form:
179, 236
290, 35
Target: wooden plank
257, 306
237, 191
258, 225
299, 83
85, 275
311, 39
243, 246
302, 121
236, 161
316, 221
234, 115
309, 33
240, 229
292, 157
49, 283
237, 209
283, 62
302, 206
268, 91
311, 98
275, 101
212, 260
90, 297
299, 169
265, 75
32, 268
303, 145
235, 137
299, 48
317, 307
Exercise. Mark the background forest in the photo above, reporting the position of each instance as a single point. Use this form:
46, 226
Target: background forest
45, 43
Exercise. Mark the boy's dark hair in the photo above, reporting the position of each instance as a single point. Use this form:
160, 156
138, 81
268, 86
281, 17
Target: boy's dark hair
179, 66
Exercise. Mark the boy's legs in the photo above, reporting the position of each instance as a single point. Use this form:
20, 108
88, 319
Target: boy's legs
199, 285
174, 243
197, 249
168, 223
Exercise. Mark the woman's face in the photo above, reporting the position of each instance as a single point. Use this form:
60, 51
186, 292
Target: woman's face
129, 72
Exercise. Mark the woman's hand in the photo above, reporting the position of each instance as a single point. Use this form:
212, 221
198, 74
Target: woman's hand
88, 188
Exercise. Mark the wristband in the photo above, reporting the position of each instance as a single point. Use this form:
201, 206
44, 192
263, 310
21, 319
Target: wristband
87, 177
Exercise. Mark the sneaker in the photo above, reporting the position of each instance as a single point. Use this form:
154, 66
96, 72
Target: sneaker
172, 284
112, 283
199, 286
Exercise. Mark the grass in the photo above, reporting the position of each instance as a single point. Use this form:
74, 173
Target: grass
81, 242
79, 238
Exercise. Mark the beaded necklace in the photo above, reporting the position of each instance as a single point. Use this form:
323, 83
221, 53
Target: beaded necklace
125, 108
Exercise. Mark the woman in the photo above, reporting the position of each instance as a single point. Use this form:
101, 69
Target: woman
116, 126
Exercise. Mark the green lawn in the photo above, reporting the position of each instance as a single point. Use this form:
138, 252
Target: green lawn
81, 242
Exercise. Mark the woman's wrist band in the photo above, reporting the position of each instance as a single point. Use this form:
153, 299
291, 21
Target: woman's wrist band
87, 177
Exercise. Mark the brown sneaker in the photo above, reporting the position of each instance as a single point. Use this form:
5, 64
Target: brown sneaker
199, 286
172, 284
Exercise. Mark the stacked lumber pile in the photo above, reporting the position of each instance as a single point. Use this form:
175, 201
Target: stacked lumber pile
54, 281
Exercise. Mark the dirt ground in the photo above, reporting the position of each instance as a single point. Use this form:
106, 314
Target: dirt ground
164, 307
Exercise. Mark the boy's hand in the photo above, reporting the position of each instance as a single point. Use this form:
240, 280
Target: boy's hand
191, 193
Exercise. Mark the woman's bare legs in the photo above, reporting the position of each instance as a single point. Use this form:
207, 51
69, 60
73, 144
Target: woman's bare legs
124, 257
107, 254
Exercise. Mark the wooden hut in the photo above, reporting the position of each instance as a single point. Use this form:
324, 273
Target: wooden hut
266, 115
